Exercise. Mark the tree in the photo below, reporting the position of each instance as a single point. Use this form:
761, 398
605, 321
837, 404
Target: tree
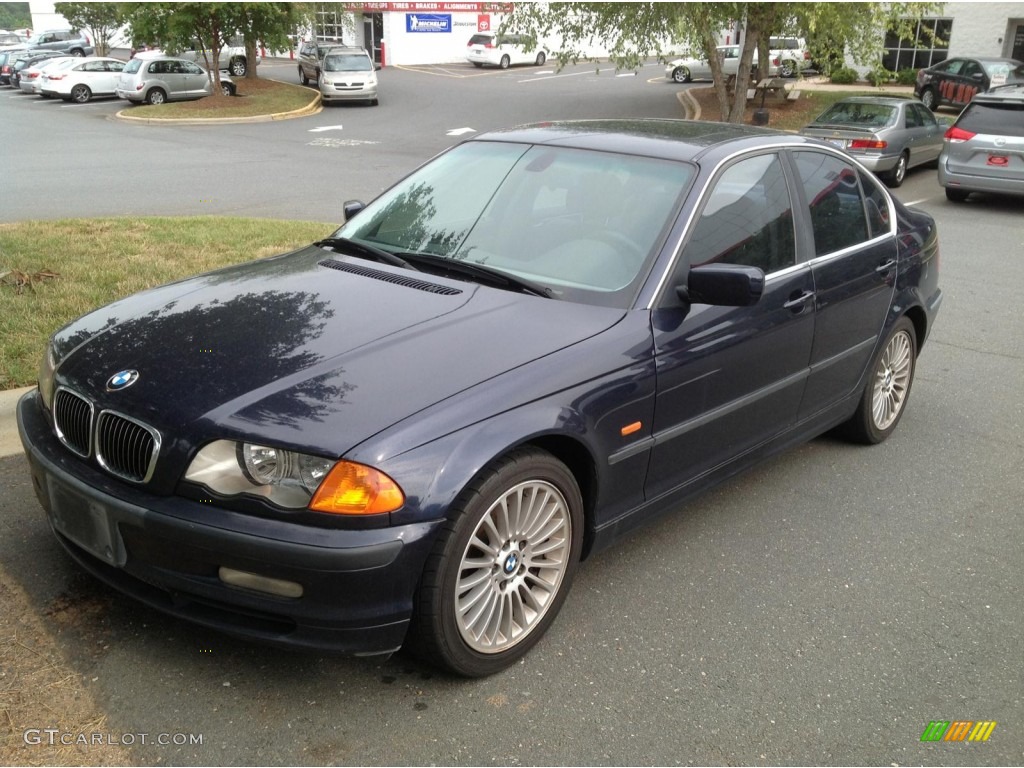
101, 20
633, 32
175, 27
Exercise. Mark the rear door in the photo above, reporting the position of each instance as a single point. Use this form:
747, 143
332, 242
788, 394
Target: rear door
925, 133
853, 266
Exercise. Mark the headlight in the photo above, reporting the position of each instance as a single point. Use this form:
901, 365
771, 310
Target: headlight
294, 480
46, 369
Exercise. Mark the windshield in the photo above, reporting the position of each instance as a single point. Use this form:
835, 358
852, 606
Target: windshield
858, 114
583, 224
347, 62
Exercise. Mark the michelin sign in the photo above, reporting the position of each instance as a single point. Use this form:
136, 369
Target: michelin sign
428, 22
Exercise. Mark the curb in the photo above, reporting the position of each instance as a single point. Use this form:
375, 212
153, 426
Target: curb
314, 107
10, 443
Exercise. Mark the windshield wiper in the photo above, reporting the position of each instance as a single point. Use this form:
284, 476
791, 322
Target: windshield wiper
362, 250
480, 272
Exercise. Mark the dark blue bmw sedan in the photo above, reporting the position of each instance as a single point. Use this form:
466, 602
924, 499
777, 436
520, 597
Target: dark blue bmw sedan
413, 431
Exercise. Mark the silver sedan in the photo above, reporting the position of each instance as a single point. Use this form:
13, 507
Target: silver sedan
889, 135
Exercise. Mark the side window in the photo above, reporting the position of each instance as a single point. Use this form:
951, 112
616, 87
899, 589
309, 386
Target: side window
879, 219
913, 117
837, 208
953, 66
747, 219
190, 69
924, 115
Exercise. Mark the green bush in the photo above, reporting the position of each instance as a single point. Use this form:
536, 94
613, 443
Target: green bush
906, 76
844, 76
879, 76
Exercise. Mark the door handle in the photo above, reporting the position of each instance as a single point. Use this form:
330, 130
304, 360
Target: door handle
886, 267
797, 302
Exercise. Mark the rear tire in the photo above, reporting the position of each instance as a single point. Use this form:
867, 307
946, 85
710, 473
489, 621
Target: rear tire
81, 94
156, 96
929, 99
505, 61
681, 75
956, 195
238, 67
888, 387
895, 177
541, 58
501, 567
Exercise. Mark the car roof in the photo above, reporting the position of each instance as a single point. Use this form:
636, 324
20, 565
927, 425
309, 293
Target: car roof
892, 101
683, 140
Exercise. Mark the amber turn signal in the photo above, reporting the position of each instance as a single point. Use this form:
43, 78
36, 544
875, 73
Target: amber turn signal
355, 489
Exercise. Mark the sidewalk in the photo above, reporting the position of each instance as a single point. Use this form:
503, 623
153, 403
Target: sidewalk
10, 443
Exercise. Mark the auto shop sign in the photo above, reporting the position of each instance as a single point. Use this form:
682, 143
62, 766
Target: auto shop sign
428, 22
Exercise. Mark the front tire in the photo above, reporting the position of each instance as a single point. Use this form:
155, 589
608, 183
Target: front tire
502, 566
681, 75
302, 76
888, 387
541, 58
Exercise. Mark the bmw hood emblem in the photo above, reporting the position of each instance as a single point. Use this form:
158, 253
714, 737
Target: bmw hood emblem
122, 380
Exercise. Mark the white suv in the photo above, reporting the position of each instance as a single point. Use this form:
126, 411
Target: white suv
792, 54
503, 50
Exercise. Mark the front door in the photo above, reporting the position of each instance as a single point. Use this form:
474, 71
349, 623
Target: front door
731, 378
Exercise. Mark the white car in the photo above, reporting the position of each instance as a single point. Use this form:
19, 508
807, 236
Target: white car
80, 80
690, 67
792, 54
29, 78
490, 49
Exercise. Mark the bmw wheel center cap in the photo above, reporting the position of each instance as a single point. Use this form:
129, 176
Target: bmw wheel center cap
122, 380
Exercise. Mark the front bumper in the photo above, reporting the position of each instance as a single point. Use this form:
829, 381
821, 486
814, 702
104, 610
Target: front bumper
360, 92
168, 552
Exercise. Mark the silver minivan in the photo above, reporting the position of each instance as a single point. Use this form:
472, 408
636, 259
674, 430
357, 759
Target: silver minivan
155, 81
984, 149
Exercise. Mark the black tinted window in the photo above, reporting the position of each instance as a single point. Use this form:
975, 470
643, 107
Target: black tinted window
992, 118
837, 209
748, 218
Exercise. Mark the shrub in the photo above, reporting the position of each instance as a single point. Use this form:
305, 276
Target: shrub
879, 76
844, 76
906, 76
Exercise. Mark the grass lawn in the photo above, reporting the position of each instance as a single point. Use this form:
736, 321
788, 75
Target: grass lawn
254, 98
783, 114
54, 271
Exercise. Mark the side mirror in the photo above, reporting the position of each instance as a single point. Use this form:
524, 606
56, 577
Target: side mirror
376, 67
351, 208
723, 285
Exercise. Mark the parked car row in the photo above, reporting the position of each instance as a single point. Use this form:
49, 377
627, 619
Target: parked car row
982, 151
153, 80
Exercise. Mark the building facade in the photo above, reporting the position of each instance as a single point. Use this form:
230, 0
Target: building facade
411, 33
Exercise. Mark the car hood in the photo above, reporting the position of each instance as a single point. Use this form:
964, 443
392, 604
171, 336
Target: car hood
308, 350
